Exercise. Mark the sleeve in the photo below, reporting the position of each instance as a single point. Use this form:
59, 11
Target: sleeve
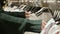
16, 14
34, 26
16, 17
11, 18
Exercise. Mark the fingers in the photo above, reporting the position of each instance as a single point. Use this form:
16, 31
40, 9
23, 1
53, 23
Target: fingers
27, 14
43, 24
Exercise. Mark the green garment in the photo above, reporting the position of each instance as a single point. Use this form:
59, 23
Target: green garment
16, 25
36, 25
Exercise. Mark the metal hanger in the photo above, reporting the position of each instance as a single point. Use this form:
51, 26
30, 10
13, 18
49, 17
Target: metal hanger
31, 9
57, 16
36, 9
42, 10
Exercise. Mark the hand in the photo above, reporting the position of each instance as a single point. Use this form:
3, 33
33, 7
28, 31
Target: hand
27, 14
43, 25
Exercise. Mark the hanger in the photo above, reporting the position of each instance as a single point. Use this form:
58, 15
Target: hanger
36, 9
22, 6
42, 10
26, 8
31, 9
57, 17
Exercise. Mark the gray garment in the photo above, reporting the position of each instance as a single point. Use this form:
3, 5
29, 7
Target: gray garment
45, 16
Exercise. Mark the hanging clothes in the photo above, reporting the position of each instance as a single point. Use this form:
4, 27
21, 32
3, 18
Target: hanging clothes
40, 14
11, 24
50, 23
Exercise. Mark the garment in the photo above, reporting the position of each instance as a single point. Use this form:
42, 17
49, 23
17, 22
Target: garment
45, 16
50, 23
54, 29
35, 26
30, 33
10, 23
13, 9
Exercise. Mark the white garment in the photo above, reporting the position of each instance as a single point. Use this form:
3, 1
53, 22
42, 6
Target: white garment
14, 9
48, 26
55, 29
30, 33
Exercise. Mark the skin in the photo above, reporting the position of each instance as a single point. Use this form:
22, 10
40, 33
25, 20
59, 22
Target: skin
43, 25
27, 14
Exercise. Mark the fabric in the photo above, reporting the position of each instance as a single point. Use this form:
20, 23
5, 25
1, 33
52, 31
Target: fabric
45, 16
12, 24
9, 9
50, 23
54, 29
35, 26
30, 33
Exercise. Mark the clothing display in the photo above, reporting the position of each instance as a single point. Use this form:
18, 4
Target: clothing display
12, 24
29, 17
32, 24
37, 14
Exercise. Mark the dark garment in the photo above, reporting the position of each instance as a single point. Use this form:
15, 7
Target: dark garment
10, 23
15, 14
34, 26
